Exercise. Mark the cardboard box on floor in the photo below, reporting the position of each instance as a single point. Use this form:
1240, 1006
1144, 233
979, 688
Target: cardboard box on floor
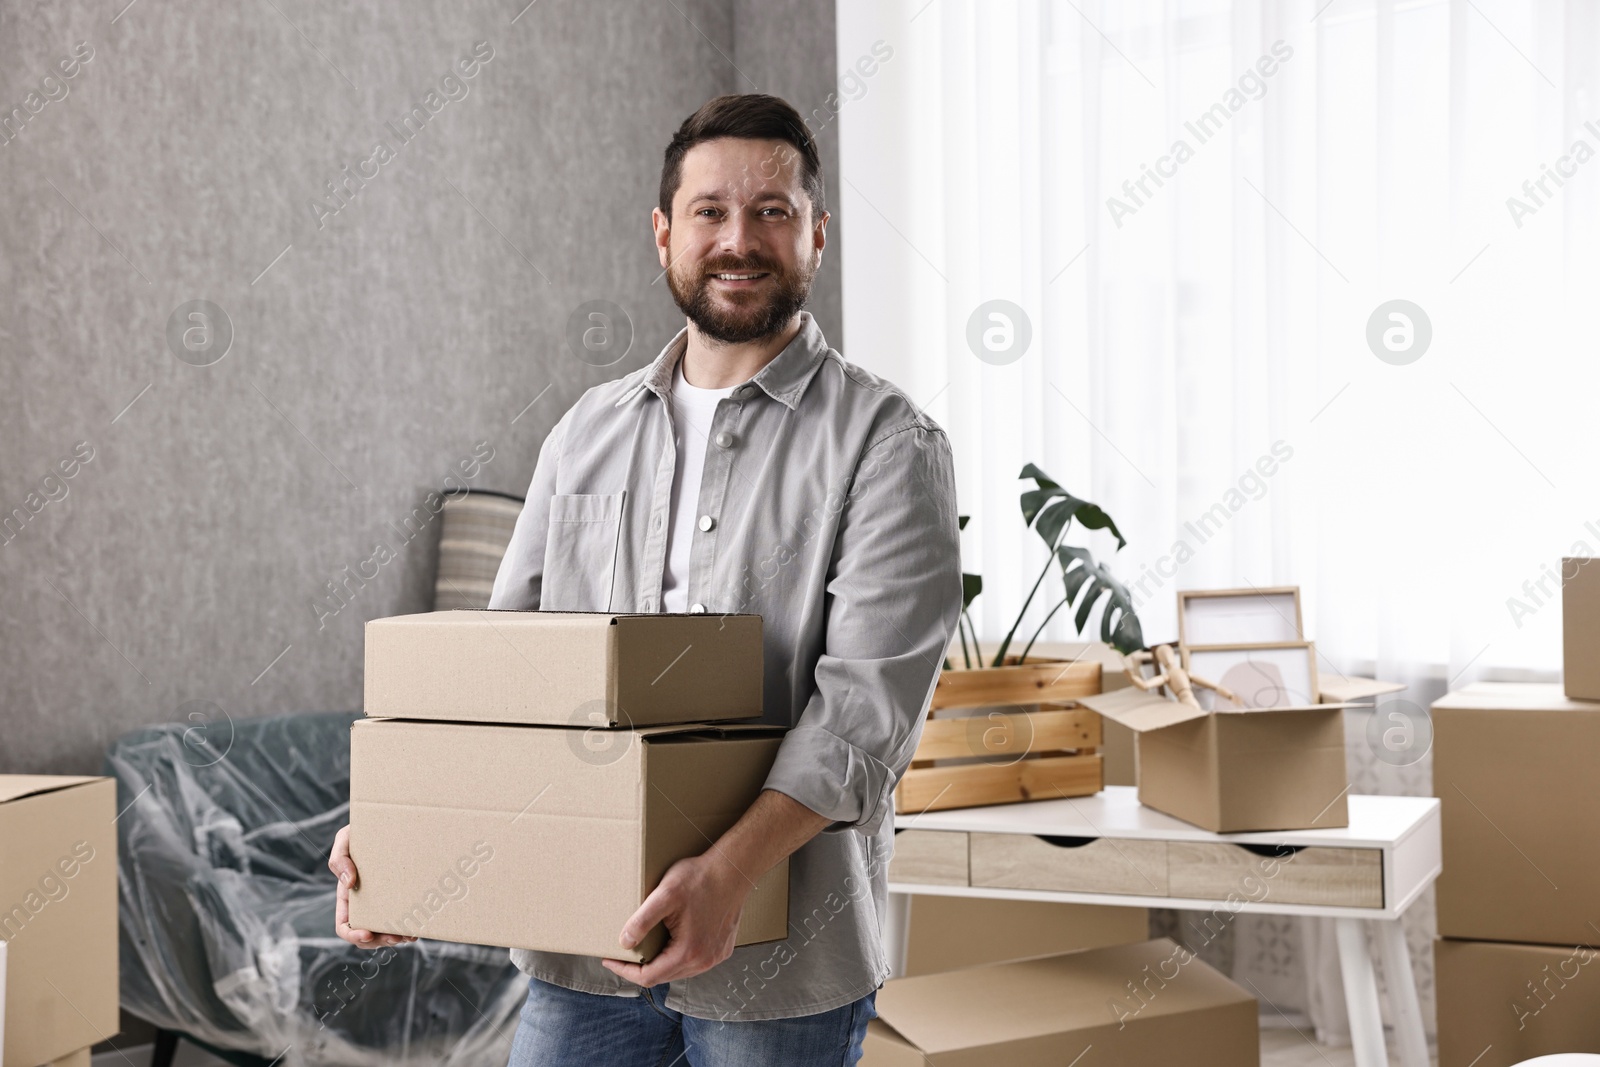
1146, 1003
545, 838
1580, 627
1514, 770
1502, 1004
1234, 771
58, 914
561, 668
948, 933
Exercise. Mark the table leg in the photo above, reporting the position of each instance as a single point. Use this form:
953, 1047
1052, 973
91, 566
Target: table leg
896, 932
1409, 1032
1360, 993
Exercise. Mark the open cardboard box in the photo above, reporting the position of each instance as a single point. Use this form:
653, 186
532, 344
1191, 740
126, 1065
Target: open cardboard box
564, 668
1152, 1002
542, 837
1241, 769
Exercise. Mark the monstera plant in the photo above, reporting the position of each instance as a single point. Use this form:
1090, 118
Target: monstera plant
1050, 511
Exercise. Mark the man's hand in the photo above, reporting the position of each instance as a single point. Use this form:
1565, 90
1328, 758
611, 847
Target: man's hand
700, 899
344, 868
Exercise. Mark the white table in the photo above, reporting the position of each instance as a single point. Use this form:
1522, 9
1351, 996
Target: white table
1404, 830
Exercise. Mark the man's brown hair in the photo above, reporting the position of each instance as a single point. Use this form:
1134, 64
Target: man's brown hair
753, 116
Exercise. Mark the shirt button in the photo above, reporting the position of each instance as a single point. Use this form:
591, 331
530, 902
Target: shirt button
697, 609
741, 392
657, 521
724, 439
706, 522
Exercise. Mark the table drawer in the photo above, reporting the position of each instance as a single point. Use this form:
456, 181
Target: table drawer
1336, 877
1069, 864
931, 857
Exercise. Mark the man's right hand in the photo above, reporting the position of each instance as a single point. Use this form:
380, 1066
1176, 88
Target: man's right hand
344, 869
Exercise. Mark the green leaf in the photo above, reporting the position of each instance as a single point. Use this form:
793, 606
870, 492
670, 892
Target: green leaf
1088, 583
1045, 481
1073, 578
1080, 618
1049, 508
971, 586
1126, 635
961, 521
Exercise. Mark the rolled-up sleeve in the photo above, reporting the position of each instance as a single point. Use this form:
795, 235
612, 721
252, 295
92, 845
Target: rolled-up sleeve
894, 595
517, 583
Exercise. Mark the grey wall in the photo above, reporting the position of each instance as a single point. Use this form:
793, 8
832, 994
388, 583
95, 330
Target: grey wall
366, 363
786, 47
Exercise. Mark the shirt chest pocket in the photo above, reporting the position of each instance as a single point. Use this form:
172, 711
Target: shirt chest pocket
580, 554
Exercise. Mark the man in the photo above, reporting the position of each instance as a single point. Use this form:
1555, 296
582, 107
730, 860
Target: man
748, 468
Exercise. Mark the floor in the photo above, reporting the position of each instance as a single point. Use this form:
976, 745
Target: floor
1287, 1048
1279, 1048
139, 1056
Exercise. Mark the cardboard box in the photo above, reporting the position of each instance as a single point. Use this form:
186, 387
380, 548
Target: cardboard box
947, 933
545, 838
1502, 1004
58, 914
1580, 627
1143, 1005
1514, 770
1240, 770
562, 668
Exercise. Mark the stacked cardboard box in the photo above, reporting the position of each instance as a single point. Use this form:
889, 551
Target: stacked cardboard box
1580, 627
525, 778
58, 917
1519, 898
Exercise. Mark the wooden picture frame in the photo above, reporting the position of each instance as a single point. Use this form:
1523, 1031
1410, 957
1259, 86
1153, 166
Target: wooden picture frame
1279, 674
1233, 618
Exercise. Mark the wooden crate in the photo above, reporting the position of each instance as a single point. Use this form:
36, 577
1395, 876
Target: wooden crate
1030, 743
1031, 682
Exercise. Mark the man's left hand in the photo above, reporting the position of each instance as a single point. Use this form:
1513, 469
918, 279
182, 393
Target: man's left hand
700, 900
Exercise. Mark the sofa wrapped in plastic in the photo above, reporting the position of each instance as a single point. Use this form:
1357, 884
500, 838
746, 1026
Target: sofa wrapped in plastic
227, 907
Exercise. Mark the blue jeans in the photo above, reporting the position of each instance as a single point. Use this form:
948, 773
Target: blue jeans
564, 1028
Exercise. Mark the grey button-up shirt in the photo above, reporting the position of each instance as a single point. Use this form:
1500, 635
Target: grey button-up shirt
833, 515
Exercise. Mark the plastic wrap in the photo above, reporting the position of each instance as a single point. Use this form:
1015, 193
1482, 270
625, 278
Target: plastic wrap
227, 907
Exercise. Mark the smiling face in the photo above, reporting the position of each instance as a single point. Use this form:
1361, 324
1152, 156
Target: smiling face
742, 246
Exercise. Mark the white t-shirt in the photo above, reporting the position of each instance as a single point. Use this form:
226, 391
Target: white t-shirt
692, 412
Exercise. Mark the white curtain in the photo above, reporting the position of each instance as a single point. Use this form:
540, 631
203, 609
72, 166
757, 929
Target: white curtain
1196, 209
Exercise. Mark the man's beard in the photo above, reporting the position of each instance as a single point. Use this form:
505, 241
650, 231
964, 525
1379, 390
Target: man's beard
752, 316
